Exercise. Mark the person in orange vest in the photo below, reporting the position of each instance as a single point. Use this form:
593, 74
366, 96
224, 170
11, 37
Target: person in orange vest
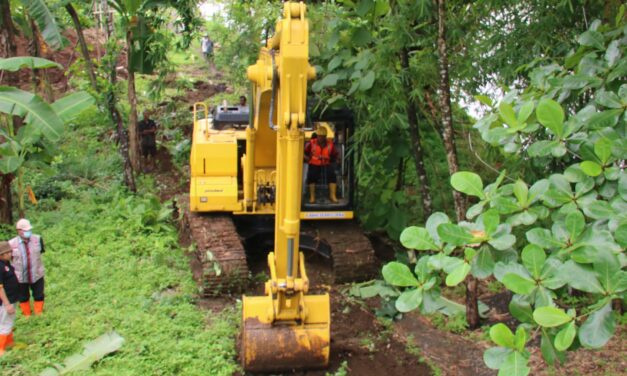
29, 268
8, 296
320, 154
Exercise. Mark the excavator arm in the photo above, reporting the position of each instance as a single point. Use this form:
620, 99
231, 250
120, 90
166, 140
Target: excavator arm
287, 328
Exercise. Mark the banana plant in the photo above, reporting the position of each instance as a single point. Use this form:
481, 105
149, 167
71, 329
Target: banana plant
43, 17
43, 123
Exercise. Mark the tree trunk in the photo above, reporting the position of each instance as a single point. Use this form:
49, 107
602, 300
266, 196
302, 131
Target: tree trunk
41, 82
400, 175
132, 116
81, 40
414, 132
472, 309
129, 178
8, 48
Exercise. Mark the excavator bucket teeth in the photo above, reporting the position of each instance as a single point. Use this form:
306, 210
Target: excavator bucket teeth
285, 346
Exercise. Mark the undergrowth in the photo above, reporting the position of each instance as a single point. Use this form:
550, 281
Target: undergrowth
113, 263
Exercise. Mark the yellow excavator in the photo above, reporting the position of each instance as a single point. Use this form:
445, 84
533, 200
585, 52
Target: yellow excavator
244, 168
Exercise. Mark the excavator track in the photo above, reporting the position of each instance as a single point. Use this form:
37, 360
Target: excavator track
352, 254
218, 249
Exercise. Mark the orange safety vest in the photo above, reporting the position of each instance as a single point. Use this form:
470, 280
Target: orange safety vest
321, 156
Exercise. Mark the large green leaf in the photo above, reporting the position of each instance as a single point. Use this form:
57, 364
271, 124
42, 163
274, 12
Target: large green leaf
468, 183
533, 258
541, 148
506, 111
551, 115
72, 105
51, 33
607, 268
565, 337
580, 277
518, 284
495, 356
434, 221
398, 274
13, 64
409, 300
591, 168
502, 335
598, 328
9, 164
483, 263
366, 82
458, 274
361, 36
363, 7
603, 149
491, 220
21, 103
543, 238
454, 234
591, 38
549, 352
520, 308
520, 338
417, 238
551, 316
514, 365
575, 224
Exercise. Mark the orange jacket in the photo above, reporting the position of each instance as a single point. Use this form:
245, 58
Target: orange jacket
320, 156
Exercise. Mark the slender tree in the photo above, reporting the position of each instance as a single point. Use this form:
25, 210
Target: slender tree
472, 308
116, 118
133, 134
83, 45
414, 131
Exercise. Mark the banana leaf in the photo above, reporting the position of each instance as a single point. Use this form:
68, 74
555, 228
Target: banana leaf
93, 352
72, 105
15, 63
22, 103
48, 27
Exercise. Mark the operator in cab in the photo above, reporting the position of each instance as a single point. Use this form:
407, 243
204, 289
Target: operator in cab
320, 154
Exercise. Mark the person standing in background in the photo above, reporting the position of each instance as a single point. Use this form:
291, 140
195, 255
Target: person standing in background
27, 249
206, 46
148, 132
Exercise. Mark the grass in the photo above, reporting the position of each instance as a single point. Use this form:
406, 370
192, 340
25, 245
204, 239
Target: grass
113, 263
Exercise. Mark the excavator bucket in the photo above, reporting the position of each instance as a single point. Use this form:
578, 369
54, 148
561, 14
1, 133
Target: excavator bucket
285, 345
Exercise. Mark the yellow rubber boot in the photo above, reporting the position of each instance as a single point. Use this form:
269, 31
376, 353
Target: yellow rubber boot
312, 193
333, 193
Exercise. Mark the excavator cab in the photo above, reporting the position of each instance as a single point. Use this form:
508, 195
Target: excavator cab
338, 126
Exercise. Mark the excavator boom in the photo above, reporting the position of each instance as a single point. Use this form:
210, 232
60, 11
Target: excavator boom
287, 328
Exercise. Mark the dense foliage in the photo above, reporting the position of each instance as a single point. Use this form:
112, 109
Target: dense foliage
542, 239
